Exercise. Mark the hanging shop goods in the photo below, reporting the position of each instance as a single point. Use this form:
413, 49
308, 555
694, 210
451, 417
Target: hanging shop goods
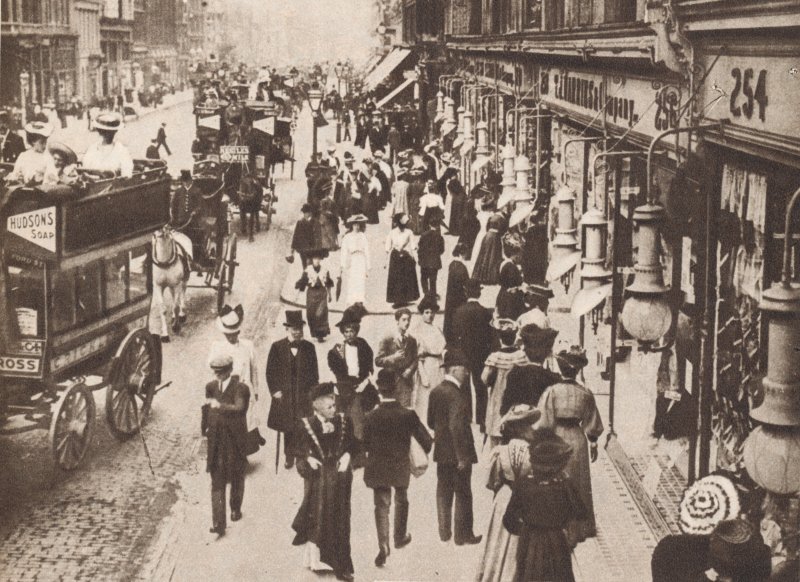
647, 315
565, 254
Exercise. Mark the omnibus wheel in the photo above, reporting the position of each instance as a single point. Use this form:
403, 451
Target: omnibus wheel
72, 426
132, 384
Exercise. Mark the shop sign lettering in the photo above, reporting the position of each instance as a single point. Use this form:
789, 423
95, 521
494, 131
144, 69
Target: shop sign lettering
36, 226
80, 353
234, 154
19, 366
626, 103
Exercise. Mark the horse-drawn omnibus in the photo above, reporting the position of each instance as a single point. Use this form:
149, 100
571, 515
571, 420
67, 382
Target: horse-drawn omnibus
75, 291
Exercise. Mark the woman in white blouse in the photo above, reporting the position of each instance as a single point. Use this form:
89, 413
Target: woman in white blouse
402, 286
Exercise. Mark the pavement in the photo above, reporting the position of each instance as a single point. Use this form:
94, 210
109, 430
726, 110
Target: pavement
114, 520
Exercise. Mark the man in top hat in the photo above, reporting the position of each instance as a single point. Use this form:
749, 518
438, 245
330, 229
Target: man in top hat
35, 166
324, 448
526, 384
398, 352
11, 145
227, 399
291, 372
241, 350
351, 364
108, 154
454, 453
388, 431
161, 138
472, 329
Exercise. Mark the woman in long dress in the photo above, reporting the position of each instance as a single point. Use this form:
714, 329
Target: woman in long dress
355, 261
458, 204
328, 224
487, 210
487, 264
497, 367
570, 410
430, 348
317, 283
402, 286
470, 229
541, 506
372, 200
509, 463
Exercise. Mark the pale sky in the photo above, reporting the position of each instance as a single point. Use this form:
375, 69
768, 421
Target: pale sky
296, 31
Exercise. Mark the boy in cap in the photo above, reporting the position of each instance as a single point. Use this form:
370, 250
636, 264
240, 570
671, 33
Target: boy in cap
227, 399
324, 448
388, 431
291, 372
454, 454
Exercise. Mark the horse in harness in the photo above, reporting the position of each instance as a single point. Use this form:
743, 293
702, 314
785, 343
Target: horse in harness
171, 259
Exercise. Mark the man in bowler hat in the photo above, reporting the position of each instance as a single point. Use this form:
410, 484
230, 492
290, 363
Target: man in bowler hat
454, 454
227, 400
291, 372
388, 431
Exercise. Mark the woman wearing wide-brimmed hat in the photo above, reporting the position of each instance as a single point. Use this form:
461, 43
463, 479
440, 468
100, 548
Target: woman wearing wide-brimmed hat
108, 154
509, 464
35, 165
526, 384
570, 410
495, 373
355, 261
541, 506
316, 281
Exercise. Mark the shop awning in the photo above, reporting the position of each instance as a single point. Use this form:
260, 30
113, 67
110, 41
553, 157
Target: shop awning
393, 60
394, 93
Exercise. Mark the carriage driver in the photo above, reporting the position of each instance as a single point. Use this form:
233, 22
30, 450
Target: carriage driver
108, 155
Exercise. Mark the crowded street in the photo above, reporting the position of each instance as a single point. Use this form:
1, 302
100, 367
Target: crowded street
399, 290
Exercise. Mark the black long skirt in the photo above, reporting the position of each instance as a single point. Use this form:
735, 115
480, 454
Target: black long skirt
402, 286
490, 256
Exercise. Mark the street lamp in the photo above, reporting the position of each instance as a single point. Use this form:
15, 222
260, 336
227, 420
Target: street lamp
314, 102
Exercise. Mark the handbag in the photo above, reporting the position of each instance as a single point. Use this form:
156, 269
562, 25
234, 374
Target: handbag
418, 458
253, 442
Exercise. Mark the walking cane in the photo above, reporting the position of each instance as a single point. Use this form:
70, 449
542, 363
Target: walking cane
277, 451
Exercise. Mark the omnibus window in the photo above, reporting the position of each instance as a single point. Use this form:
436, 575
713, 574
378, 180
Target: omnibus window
62, 300
25, 286
116, 280
87, 293
138, 273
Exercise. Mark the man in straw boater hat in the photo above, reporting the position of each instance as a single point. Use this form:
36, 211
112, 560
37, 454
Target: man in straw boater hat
291, 372
35, 165
351, 364
388, 431
525, 384
243, 353
472, 328
540, 508
108, 154
324, 447
570, 410
227, 399
454, 453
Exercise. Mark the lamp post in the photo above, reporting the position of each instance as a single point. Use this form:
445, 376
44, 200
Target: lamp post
314, 102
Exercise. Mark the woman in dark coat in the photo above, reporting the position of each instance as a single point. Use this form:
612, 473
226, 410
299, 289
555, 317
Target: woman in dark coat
510, 299
457, 277
470, 227
402, 286
458, 203
490, 256
541, 505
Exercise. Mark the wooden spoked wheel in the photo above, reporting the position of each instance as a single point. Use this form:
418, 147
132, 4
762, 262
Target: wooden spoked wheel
132, 384
72, 426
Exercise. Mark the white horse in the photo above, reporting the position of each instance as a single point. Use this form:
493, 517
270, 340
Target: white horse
169, 273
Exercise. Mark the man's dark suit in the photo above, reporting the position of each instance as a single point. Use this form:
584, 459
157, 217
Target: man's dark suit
400, 358
227, 439
388, 431
11, 147
449, 418
472, 329
352, 403
429, 252
293, 376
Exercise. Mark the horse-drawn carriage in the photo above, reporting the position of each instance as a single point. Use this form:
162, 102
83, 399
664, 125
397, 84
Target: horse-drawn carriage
210, 131
75, 294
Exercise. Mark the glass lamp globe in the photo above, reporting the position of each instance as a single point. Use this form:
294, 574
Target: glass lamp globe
647, 317
314, 99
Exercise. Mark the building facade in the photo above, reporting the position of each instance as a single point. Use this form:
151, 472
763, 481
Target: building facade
86, 24
39, 51
116, 40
